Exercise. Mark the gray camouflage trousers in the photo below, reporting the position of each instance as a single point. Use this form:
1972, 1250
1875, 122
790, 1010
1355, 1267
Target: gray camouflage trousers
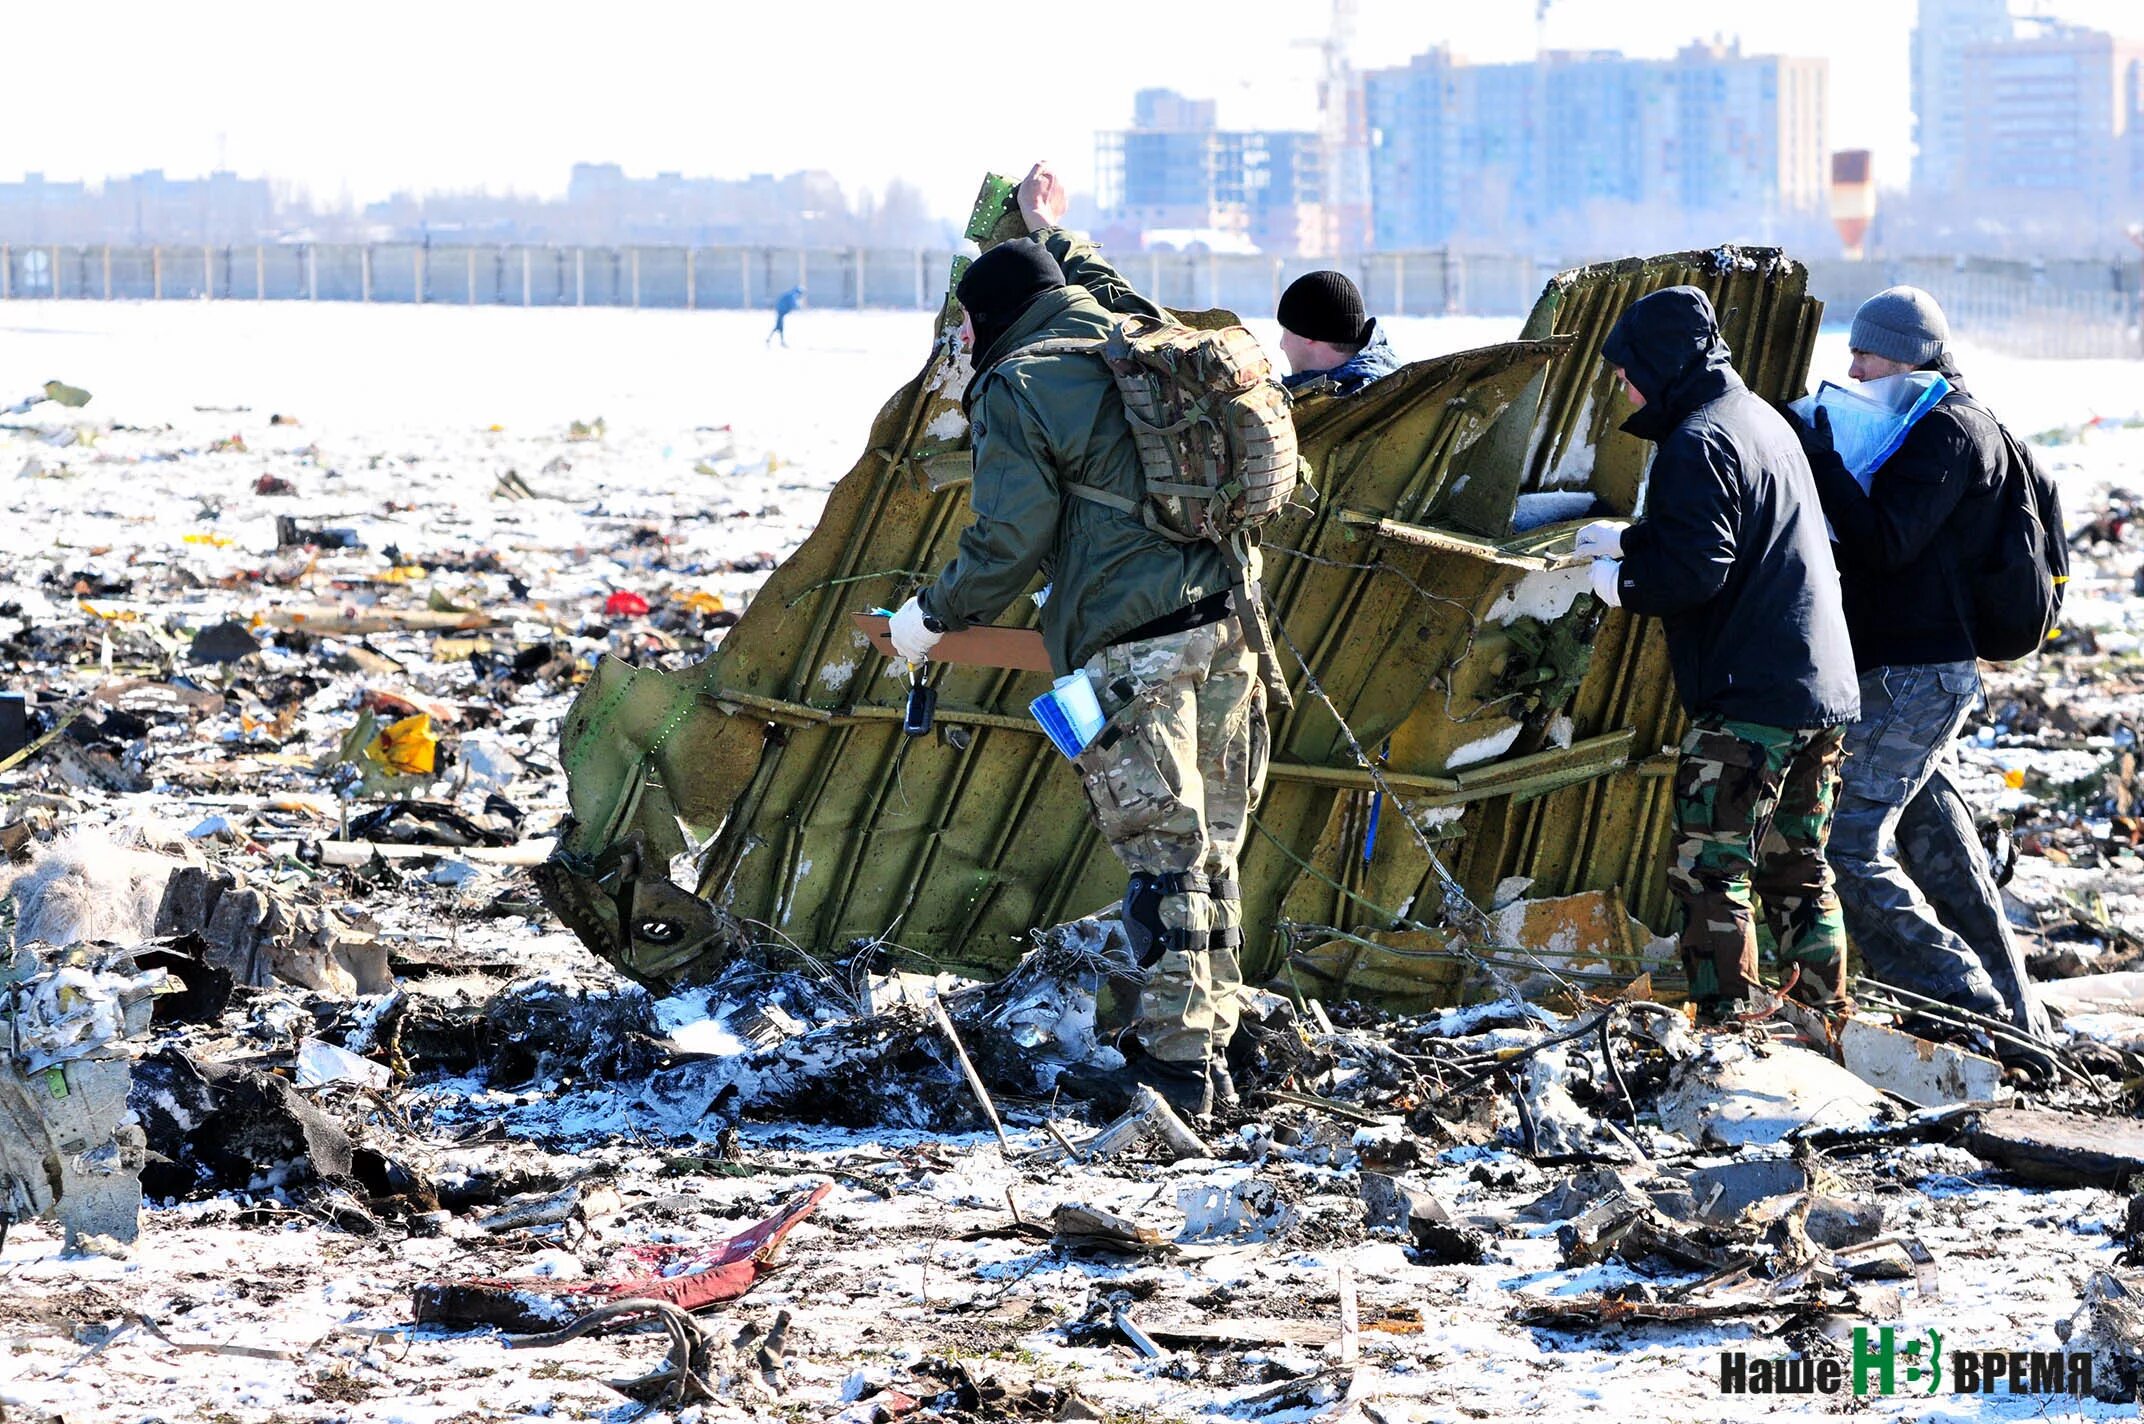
1173, 779
1921, 903
1939, 848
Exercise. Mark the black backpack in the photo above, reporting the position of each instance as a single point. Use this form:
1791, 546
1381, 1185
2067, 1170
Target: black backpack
2017, 599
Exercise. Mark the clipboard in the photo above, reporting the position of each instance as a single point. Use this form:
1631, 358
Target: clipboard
985, 645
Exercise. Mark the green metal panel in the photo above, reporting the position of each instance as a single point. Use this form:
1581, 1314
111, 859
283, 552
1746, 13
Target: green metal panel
780, 764
1616, 833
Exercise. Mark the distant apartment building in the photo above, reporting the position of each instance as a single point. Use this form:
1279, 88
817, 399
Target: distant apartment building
1751, 131
604, 203
40, 210
220, 208
1175, 177
1942, 98
606, 206
1573, 145
1457, 146
143, 207
2056, 123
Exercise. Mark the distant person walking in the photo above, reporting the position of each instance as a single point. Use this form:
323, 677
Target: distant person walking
784, 304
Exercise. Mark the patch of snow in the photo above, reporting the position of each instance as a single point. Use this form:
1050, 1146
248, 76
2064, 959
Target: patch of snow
1483, 749
1574, 464
1544, 595
1437, 817
1549, 507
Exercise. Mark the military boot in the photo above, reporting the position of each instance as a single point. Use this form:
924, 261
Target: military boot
1184, 1087
1227, 1103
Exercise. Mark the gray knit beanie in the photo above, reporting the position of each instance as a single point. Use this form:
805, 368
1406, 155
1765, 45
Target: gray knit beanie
1901, 324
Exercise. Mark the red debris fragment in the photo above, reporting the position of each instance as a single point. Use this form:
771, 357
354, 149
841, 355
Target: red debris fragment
625, 604
722, 1273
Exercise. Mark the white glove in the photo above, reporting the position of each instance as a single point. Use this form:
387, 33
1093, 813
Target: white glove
911, 639
1606, 574
1602, 539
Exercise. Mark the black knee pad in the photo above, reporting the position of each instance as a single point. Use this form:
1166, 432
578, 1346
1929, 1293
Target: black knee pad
1150, 939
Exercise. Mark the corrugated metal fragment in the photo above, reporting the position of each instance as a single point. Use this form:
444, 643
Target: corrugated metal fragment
1518, 727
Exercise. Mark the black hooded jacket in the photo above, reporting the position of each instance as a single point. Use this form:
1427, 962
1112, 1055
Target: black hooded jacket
1908, 547
1731, 554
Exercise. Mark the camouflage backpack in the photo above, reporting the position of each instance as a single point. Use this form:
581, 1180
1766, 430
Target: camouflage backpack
1216, 441
1216, 447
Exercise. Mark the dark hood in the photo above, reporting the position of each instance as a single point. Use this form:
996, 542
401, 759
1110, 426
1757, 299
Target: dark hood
1669, 344
1000, 286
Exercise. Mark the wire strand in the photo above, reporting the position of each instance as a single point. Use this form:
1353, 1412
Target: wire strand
1461, 913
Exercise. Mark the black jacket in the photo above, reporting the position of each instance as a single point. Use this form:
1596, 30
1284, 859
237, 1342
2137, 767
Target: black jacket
1731, 554
1908, 545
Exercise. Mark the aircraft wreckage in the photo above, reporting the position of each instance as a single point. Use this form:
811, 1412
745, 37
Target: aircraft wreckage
1430, 618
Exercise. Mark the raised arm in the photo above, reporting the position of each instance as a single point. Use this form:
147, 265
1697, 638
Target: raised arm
1043, 200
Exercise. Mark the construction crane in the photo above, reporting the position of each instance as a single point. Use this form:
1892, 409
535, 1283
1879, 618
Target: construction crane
1341, 127
1337, 49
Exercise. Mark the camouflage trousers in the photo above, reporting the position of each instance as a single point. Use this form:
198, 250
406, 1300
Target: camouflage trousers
1904, 853
1752, 810
1173, 779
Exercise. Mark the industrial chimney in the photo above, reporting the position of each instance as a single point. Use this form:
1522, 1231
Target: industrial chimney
1853, 199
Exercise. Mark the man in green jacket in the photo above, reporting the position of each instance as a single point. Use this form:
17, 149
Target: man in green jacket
1174, 774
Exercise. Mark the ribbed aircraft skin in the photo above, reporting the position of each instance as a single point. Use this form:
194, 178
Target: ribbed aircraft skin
819, 824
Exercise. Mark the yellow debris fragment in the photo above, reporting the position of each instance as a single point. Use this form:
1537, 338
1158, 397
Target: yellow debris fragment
409, 747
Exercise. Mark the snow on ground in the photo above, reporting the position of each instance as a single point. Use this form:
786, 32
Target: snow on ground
408, 417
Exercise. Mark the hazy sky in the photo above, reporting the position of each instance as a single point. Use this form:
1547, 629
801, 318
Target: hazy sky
362, 99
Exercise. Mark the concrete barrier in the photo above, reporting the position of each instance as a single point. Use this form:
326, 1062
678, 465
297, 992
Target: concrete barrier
2066, 308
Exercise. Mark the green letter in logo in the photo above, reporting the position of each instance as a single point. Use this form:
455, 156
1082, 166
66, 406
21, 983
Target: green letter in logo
1927, 1365
1877, 1359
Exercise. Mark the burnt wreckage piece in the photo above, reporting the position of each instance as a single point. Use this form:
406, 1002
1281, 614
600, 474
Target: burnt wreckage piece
1520, 723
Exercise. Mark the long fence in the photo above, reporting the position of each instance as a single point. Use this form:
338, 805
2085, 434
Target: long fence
2065, 309
2059, 309
710, 277
1414, 284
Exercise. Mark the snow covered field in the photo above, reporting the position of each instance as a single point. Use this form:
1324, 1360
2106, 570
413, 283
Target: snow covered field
385, 368
726, 447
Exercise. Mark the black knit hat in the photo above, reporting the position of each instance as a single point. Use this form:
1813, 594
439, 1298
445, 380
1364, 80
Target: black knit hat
1325, 306
998, 286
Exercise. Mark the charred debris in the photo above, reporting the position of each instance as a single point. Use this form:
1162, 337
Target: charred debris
1470, 1034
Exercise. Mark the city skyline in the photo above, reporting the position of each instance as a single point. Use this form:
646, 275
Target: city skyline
496, 100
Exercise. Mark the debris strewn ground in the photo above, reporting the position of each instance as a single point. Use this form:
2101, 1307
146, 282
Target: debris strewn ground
293, 676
